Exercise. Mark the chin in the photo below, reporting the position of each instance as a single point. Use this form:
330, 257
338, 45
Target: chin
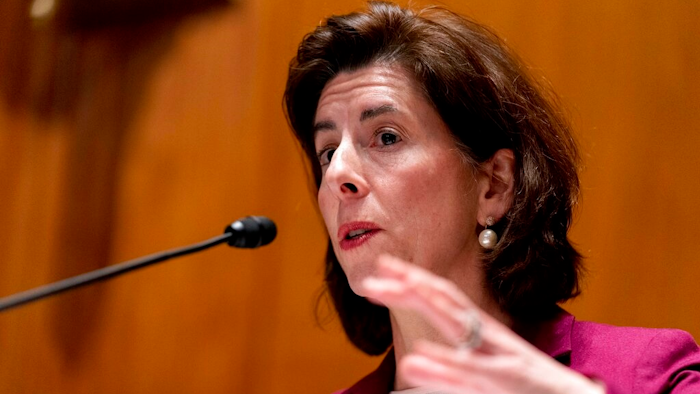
356, 272
356, 288
355, 282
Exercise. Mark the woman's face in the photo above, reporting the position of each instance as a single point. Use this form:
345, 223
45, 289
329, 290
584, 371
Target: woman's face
393, 179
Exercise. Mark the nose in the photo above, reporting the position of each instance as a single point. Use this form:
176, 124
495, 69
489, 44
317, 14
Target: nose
344, 175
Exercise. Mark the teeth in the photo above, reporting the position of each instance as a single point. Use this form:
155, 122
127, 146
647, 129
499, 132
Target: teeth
355, 233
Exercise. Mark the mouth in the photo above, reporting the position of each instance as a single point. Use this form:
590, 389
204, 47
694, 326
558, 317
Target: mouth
354, 234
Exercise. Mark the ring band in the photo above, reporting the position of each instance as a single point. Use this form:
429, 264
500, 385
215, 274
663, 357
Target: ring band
471, 339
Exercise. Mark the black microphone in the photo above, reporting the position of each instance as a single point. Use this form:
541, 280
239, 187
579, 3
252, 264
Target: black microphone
249, 232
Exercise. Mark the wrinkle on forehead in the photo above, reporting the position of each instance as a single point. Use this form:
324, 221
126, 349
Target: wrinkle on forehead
387, 77
379, 81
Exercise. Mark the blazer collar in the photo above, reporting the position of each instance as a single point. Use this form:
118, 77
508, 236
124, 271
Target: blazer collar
552, 336
381, 381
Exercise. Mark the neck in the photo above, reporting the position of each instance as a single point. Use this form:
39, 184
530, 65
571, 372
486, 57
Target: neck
408, 327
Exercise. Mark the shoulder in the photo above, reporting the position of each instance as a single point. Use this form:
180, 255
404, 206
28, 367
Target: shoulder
640, 360
624, 340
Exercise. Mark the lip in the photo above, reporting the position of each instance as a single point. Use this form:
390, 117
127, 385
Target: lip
345, 229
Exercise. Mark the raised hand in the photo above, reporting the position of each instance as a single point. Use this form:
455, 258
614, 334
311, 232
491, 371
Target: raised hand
482, 355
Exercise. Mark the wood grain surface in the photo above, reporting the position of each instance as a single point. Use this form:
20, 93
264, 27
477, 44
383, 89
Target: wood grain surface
120, 141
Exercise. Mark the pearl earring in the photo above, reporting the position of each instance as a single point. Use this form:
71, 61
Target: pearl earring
488, 237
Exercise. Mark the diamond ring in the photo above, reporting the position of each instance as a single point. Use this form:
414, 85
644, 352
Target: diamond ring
471, 325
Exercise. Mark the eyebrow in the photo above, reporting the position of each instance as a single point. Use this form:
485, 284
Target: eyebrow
374, 112
365, 115
323, 125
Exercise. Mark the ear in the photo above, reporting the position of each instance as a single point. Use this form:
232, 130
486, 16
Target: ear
496, 183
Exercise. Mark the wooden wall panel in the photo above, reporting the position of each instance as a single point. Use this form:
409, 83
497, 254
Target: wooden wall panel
121, 141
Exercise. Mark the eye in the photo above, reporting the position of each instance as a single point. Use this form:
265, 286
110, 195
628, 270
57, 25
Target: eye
388, 138
325, 156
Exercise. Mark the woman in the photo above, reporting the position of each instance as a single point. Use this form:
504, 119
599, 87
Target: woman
446, 179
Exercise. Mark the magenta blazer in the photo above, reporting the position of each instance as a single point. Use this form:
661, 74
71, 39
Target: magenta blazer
629, 360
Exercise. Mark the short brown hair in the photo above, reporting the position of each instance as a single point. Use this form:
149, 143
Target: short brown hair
489, 102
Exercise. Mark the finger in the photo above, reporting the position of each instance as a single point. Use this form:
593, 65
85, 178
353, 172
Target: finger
529, 371
423, 282
461, 371
392, 267
420, 296
457, 303
463, 359
438, 299
420, 370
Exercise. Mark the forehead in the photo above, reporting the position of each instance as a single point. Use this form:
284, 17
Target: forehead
372, 85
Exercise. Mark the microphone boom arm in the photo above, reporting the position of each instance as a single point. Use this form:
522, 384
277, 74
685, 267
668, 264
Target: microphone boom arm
248, 232
105, 273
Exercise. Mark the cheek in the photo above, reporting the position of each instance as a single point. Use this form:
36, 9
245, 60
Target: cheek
326, 204
419, 186
439, 195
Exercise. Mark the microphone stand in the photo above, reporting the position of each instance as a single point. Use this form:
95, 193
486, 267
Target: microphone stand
106, 273
248, 232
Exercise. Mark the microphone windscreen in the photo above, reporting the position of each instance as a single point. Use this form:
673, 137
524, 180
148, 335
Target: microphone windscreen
251, 232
